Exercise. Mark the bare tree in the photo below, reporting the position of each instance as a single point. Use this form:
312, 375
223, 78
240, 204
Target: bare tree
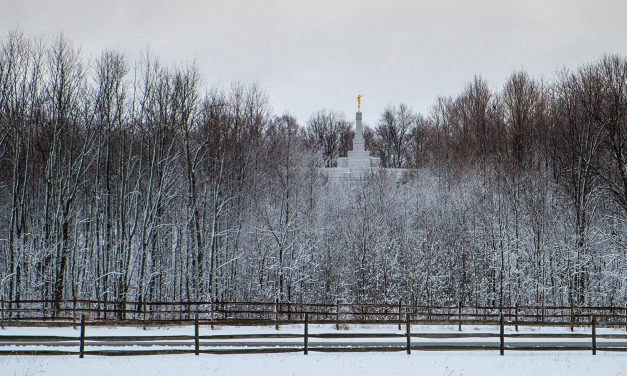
579, 137
329, 132
394, 135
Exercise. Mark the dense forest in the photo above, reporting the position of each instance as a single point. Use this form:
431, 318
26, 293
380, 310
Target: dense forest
138, 181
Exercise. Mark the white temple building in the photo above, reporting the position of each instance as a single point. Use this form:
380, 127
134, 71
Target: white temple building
358, 165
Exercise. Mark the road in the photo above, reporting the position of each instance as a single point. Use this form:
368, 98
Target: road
580, 344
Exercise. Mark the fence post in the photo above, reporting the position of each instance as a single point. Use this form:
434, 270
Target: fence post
625, 316
502, 335
196, 336
400, 313
337, 314
408, 333
144, 313
459, 316
306, 334
572, 318
2, 313
81, 352
211, 313
74, 313
276, 313
594, 335
516, 316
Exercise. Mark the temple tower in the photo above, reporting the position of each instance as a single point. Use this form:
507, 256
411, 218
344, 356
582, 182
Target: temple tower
358, 159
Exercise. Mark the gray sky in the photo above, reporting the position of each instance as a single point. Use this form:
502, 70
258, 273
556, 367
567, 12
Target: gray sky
316, 54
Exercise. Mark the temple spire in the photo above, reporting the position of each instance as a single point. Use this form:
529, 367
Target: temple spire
358, 140
358, 161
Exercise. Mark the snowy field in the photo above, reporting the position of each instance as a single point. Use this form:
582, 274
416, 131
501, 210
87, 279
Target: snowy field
381, 364
449, 363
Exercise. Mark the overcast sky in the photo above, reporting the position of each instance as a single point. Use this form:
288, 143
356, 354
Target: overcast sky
316, 54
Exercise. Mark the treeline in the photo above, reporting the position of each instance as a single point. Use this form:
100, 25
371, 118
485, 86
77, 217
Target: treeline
127, 181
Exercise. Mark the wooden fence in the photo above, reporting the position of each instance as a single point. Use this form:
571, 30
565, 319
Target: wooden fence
47, 312
337, 341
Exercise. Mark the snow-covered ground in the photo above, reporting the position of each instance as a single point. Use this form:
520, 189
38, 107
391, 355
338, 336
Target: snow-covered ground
353, 364
382, 364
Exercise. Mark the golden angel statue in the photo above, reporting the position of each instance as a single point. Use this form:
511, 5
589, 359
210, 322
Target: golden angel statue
359, 102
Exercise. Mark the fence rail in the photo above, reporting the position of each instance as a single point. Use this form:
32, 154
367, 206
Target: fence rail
407, 340
28, 312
